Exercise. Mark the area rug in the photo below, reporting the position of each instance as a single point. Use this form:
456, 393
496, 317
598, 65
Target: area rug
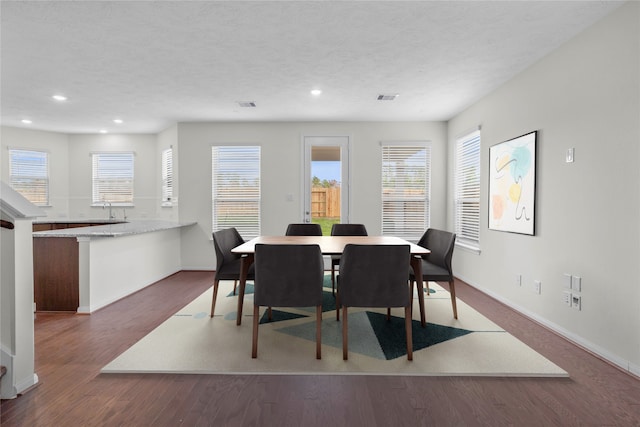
190, 342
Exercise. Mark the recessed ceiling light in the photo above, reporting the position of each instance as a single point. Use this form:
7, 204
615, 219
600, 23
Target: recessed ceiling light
388, 97
26, 121
246, 104
118, 121
59, 97
316, 92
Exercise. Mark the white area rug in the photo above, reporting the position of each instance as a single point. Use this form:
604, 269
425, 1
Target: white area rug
190, 342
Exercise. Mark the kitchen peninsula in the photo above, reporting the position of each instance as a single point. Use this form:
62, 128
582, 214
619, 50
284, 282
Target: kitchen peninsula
86, 268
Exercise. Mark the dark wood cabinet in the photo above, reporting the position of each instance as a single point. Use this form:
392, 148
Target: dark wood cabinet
55, 270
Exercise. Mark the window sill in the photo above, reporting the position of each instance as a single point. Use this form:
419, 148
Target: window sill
468, 247
113, 205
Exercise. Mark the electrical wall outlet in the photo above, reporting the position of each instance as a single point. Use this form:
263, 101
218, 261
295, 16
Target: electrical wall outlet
576, 283
518, 280
566, 283
537, 286
576, 302
566, 298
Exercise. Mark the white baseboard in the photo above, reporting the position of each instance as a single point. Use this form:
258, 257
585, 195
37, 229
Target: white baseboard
26, 384
570, 336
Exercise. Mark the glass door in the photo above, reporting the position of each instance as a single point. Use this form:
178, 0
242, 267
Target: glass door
326, 180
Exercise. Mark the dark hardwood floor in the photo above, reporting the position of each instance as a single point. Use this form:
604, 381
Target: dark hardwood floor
71, 350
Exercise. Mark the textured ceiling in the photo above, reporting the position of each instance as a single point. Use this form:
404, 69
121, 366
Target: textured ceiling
153, 64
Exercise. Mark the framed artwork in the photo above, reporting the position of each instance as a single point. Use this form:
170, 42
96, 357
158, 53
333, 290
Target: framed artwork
512, 185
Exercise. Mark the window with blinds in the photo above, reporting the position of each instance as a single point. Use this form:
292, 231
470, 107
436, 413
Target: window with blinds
467, 190
112, 178
406, 173
29, 175
236, 189
167, 177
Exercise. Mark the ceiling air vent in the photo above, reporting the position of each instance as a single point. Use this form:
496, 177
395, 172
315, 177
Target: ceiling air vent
387, 97
246, 104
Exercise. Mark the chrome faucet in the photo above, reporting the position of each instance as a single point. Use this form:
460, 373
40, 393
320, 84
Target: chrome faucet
111, 215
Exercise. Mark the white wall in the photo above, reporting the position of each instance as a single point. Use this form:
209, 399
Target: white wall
584, 95
146, 174
282, 147
56, 144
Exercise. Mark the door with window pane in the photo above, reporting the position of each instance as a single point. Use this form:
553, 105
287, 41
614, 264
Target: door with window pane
326, 180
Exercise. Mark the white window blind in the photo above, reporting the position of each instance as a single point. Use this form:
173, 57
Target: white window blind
167, 176
467, 190
29, 175
406, 190
236, 189
112, 178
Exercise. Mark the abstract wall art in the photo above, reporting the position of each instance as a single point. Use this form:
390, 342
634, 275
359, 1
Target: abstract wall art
512, 185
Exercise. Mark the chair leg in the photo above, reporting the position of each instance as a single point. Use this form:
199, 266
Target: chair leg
215, 295
319, 332
407, 325
345, 339
388, 314
270, 312
452, 291
235, 283
254, 343
338, 306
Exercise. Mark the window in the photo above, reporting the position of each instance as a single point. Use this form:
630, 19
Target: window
467, 190
236, 189
406, 189
167, 177
112, 178
29, 175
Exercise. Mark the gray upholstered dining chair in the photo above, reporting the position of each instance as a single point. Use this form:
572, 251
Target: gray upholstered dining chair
374, 276
343, 230
288, 276
304, 229
227, 263
436, 266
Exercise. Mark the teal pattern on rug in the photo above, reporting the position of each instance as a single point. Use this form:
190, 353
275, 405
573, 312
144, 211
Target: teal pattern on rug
372, 335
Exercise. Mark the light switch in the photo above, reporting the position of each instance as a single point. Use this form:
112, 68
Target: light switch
570, 155
576, 283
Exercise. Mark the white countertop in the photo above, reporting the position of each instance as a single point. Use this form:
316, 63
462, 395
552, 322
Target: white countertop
112, 230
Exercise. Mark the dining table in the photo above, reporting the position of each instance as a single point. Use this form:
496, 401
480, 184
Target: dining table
329, 245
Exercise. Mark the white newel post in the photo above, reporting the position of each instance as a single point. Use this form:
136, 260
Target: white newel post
17, 349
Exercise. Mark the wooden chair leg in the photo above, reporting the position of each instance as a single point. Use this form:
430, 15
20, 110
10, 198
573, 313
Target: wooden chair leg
388, 314
215, 295
270, 312
338, 306
235, 283
254, 344
345, 339
452, 291
319, 332
407, 325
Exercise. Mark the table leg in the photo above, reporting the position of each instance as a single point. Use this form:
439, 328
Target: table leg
245, 263
416, 264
